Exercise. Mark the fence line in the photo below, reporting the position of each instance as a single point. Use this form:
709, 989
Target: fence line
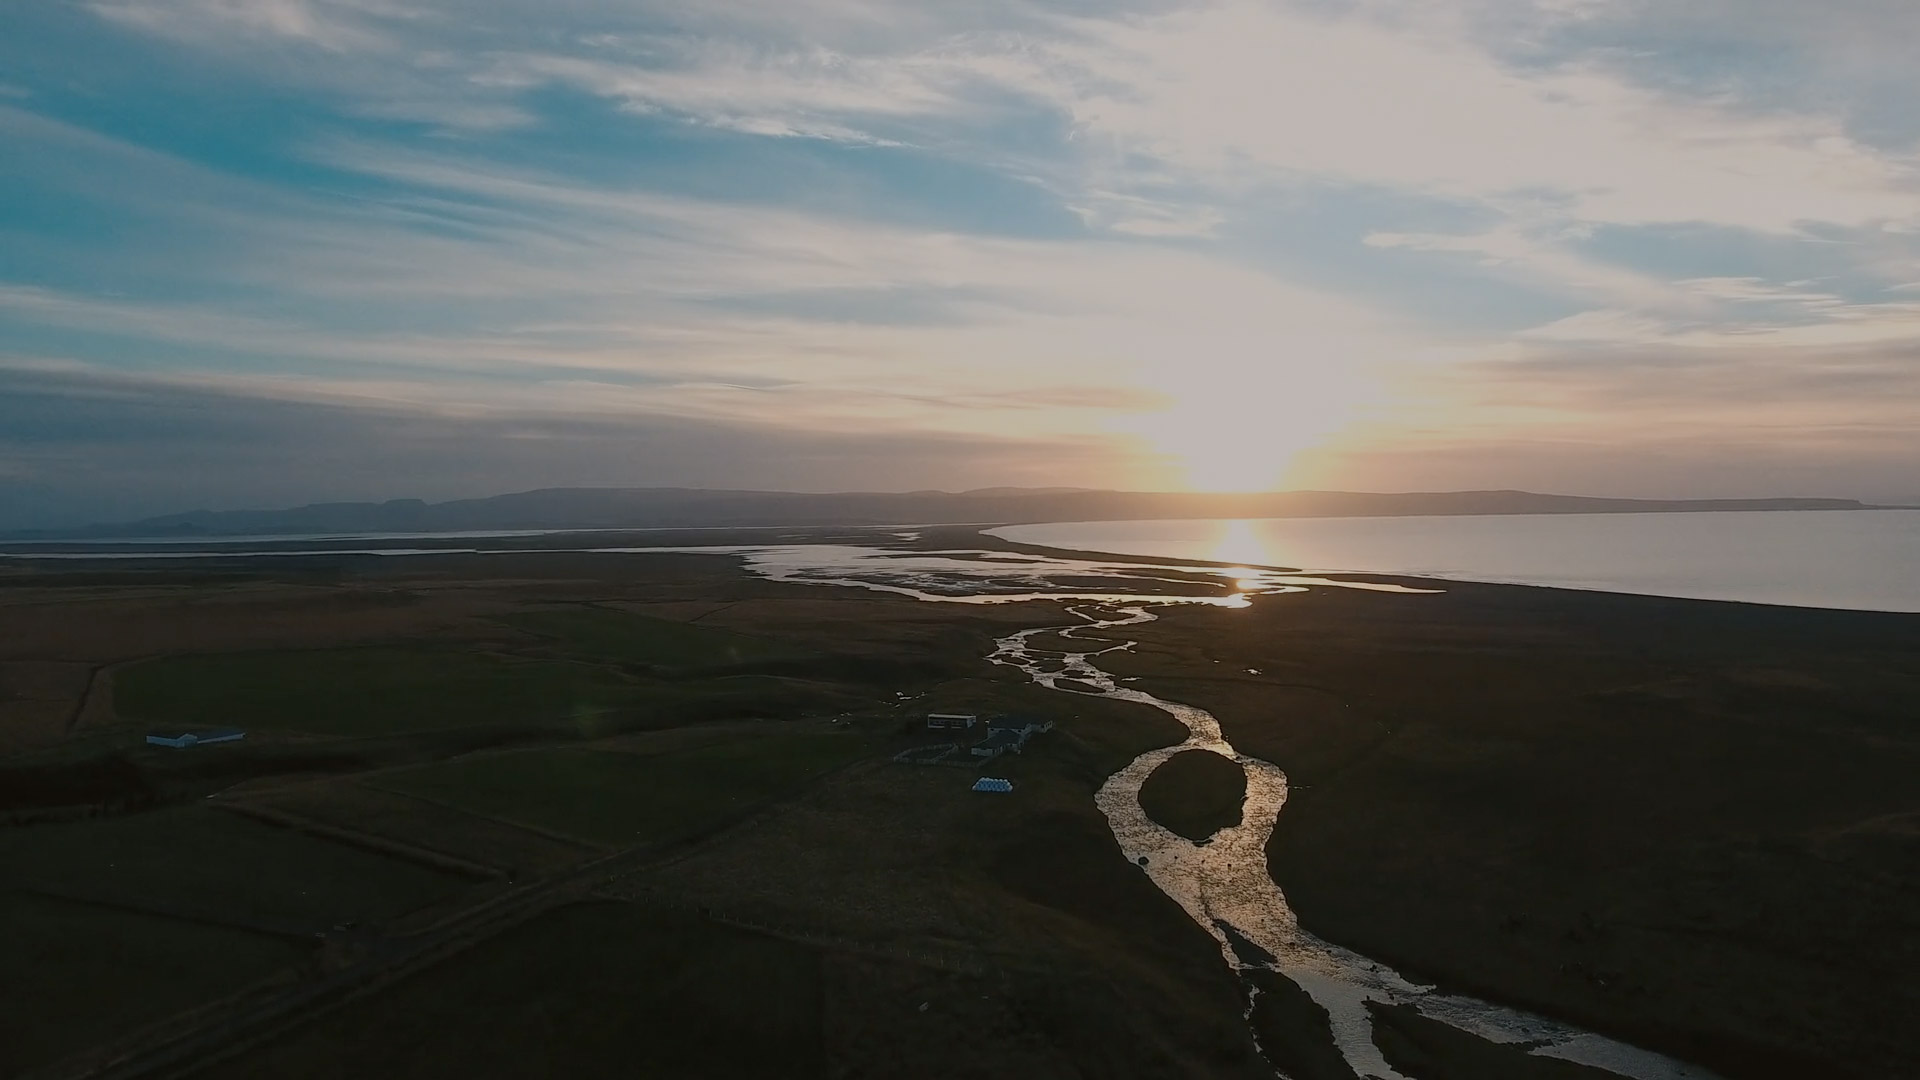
961, 959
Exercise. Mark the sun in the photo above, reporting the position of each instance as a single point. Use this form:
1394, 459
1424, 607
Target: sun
1234, 441
1242, 390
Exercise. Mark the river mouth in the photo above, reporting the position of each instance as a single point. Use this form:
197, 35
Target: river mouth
1223, 884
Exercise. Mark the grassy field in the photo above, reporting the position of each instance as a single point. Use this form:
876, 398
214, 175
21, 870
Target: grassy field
364, 691
386, 815
1196, 793
602, 989
1090, 970
76, 975
621, 799
384, 673
204, 862
1687, 824
665, 644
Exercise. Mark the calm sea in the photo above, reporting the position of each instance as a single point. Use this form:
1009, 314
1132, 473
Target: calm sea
1863, 559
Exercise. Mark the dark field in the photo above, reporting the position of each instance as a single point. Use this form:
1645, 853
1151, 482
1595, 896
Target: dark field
1196, 793
567, 814
205, 861
619, 798
364, 691
78, 974
561, 815
591, 990
1693, 825
644, 641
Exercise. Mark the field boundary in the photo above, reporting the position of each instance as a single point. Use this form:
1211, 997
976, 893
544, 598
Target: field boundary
379, 845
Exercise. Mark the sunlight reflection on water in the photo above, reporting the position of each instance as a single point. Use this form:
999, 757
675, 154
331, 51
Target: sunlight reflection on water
1224, 884
1867, 560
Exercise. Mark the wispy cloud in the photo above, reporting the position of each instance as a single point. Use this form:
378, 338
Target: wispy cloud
81, 445
1189, 233
334, 25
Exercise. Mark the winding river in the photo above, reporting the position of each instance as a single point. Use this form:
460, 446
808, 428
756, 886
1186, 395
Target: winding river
1223, 884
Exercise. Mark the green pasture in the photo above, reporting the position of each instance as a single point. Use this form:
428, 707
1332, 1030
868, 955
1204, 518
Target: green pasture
205, 863
606, 634
78, 975
622, 799
363, 691
594, 990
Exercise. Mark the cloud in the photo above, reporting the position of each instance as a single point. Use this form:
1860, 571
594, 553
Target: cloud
782, 92
74, 443
1205, 231
1237, 85
555, 279
1548, 258
1404, 97
333, 25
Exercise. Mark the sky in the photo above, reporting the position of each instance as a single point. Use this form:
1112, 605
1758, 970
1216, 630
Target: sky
258, 253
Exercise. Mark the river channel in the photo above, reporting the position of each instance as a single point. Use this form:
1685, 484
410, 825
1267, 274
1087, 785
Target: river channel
1222, 884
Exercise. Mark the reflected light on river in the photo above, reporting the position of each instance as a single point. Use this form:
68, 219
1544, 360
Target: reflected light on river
1239, 543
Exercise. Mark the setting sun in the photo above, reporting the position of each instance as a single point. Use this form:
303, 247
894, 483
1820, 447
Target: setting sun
1245, 431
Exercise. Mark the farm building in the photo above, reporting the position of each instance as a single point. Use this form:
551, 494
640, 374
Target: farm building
943, 721
997, 743
991, 783
1026, 726
1009, 733
186, 739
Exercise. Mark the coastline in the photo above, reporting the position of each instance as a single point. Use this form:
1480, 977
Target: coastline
1783, 558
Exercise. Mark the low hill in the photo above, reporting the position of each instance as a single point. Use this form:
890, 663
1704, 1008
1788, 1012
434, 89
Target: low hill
640, 508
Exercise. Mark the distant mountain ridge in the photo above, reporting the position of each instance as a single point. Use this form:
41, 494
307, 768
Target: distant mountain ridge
647, 508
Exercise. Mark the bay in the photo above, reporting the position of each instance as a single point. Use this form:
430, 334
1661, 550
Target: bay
1867, 560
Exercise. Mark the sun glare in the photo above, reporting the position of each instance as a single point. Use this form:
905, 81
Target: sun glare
1241, 441
1239, 415
1239, 543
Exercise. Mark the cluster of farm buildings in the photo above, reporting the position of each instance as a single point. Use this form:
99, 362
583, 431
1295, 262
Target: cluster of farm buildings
1004, 733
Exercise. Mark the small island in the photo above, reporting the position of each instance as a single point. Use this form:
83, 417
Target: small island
1195, 793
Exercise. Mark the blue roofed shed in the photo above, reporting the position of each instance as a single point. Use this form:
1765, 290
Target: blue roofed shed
992, 783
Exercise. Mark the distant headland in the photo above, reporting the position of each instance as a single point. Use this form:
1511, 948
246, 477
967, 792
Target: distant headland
643, 508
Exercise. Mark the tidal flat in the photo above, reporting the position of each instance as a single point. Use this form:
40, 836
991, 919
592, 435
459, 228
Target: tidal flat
648, 800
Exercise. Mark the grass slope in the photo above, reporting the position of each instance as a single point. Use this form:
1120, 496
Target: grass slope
659, 643
365, 691
594, 990
206, 862
1196, 793
621, 799
1688, 824
77, 975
